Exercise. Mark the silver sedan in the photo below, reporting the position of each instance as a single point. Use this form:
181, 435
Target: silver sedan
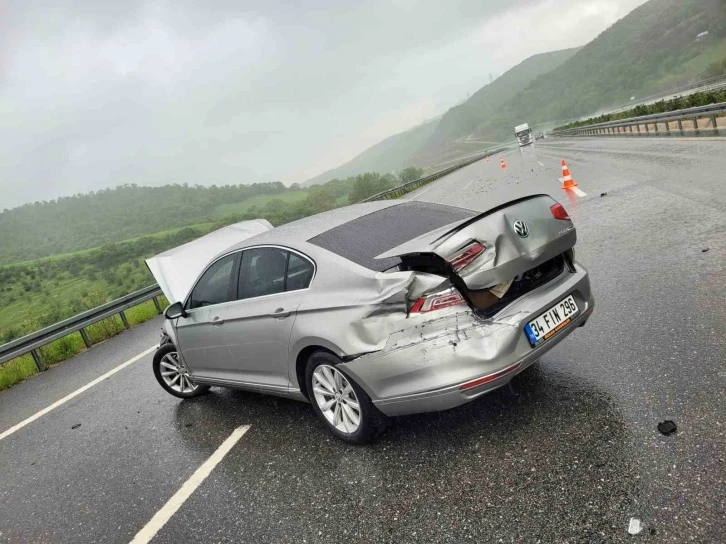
373, 310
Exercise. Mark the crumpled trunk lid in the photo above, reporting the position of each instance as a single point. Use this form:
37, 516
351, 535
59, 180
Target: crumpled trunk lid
517, 237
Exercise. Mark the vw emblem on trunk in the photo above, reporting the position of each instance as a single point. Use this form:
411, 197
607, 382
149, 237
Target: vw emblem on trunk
521, 228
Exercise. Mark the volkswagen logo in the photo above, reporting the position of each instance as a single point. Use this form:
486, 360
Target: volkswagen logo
521, 228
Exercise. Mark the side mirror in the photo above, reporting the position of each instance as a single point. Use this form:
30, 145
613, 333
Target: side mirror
174, 311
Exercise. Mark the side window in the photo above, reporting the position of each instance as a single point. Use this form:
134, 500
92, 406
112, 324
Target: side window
215, 286
262, 272
299, 272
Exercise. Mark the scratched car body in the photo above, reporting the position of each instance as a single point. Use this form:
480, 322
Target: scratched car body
373, 310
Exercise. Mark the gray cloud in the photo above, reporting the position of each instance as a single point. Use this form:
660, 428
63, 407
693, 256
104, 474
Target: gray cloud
96, 94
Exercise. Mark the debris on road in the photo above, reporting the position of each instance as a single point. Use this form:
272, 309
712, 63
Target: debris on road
76, 426
603, 194
635, 526
667, 427
704, 250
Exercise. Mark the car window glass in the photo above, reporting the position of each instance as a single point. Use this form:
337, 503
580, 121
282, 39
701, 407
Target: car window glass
262, 272
299, 272
214, 286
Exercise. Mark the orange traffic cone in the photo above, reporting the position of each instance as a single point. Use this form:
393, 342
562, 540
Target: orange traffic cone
504, 164
567, 181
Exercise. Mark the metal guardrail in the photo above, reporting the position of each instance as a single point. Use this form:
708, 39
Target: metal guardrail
77, 323
631, 126
401, 190
32, 342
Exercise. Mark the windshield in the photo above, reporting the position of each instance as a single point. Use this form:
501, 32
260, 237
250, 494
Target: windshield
522, 133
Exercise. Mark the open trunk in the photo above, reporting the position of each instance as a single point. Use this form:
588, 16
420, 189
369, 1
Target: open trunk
521, 244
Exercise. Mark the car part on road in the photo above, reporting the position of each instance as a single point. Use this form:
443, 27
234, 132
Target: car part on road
172, 374
667, 427
339, 402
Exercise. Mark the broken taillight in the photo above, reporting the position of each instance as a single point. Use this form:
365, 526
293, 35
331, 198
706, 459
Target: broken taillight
437, 301
463, 259
559, 212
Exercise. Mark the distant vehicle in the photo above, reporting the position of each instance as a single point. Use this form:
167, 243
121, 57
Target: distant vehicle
702, 35
539, 136
523, 134
329, 309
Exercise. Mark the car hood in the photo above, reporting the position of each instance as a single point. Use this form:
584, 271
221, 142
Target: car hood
177, 269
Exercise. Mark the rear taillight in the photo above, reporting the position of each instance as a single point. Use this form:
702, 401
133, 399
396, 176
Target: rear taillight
463, 259
437, 301
559, 212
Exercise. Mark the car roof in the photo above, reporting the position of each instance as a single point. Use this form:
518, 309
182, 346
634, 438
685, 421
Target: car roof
360, 232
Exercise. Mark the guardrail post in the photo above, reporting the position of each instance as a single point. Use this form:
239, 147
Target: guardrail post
157, 305
123, 318
637, 127
680, 126
646, 128
695, 124
85, 338
668, 127
38, 360
656, 127
713, 122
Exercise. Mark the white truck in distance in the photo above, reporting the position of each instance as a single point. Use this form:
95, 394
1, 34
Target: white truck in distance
523, 134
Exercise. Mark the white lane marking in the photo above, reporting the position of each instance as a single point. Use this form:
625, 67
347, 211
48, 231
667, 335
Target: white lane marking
422, 192
75, 393
541, 164
578, 192
467, 185
185, 491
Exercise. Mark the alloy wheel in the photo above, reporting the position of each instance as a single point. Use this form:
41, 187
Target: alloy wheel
175, 375
336, 398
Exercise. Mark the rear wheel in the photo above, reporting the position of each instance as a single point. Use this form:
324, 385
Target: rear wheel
173, 376
339, 402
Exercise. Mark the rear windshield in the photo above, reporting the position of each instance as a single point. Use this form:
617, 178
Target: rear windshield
361, 239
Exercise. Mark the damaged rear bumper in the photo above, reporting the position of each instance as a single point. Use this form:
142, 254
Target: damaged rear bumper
423, 368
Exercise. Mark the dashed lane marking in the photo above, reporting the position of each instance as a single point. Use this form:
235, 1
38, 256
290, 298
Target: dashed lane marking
75, 393
467, 185
185, 491
578, 192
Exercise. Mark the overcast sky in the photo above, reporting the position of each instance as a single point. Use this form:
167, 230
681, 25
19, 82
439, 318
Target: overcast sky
94, 94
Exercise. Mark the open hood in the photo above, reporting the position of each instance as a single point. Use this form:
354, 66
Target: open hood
178, 268
493, 247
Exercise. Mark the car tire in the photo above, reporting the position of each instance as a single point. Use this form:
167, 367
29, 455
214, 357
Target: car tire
340, 422
167, 357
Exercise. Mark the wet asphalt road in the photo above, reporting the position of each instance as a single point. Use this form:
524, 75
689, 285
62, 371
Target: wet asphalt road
570, 454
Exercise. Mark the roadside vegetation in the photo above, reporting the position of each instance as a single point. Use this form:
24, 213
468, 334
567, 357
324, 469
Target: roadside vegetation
663, 106
40, 292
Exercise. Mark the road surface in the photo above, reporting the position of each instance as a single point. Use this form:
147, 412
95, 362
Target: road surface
570, 454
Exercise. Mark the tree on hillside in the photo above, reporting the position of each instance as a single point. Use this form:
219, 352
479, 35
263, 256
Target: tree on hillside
409, 174
369, 184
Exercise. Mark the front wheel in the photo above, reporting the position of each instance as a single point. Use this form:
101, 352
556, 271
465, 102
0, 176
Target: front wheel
172, 375
344, 407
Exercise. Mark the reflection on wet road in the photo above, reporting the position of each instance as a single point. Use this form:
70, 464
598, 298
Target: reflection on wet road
569, 454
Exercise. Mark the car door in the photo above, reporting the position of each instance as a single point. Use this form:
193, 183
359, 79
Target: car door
201, 335
272, 284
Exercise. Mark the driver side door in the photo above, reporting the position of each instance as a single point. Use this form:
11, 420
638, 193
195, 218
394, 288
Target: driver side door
201, 334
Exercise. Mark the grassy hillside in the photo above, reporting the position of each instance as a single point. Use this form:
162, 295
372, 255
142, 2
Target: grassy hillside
651, 49
463, 119
258, 202
79, 222
393, 153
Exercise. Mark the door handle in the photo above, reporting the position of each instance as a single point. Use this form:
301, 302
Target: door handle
217, 321
280, 312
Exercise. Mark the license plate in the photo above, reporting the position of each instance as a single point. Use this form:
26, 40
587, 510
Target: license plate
546, 325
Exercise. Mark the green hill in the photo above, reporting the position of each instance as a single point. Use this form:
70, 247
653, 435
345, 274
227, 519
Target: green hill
652, 49
461, 120
393, 153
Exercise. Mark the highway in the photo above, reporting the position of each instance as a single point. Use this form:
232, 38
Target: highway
570, 454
